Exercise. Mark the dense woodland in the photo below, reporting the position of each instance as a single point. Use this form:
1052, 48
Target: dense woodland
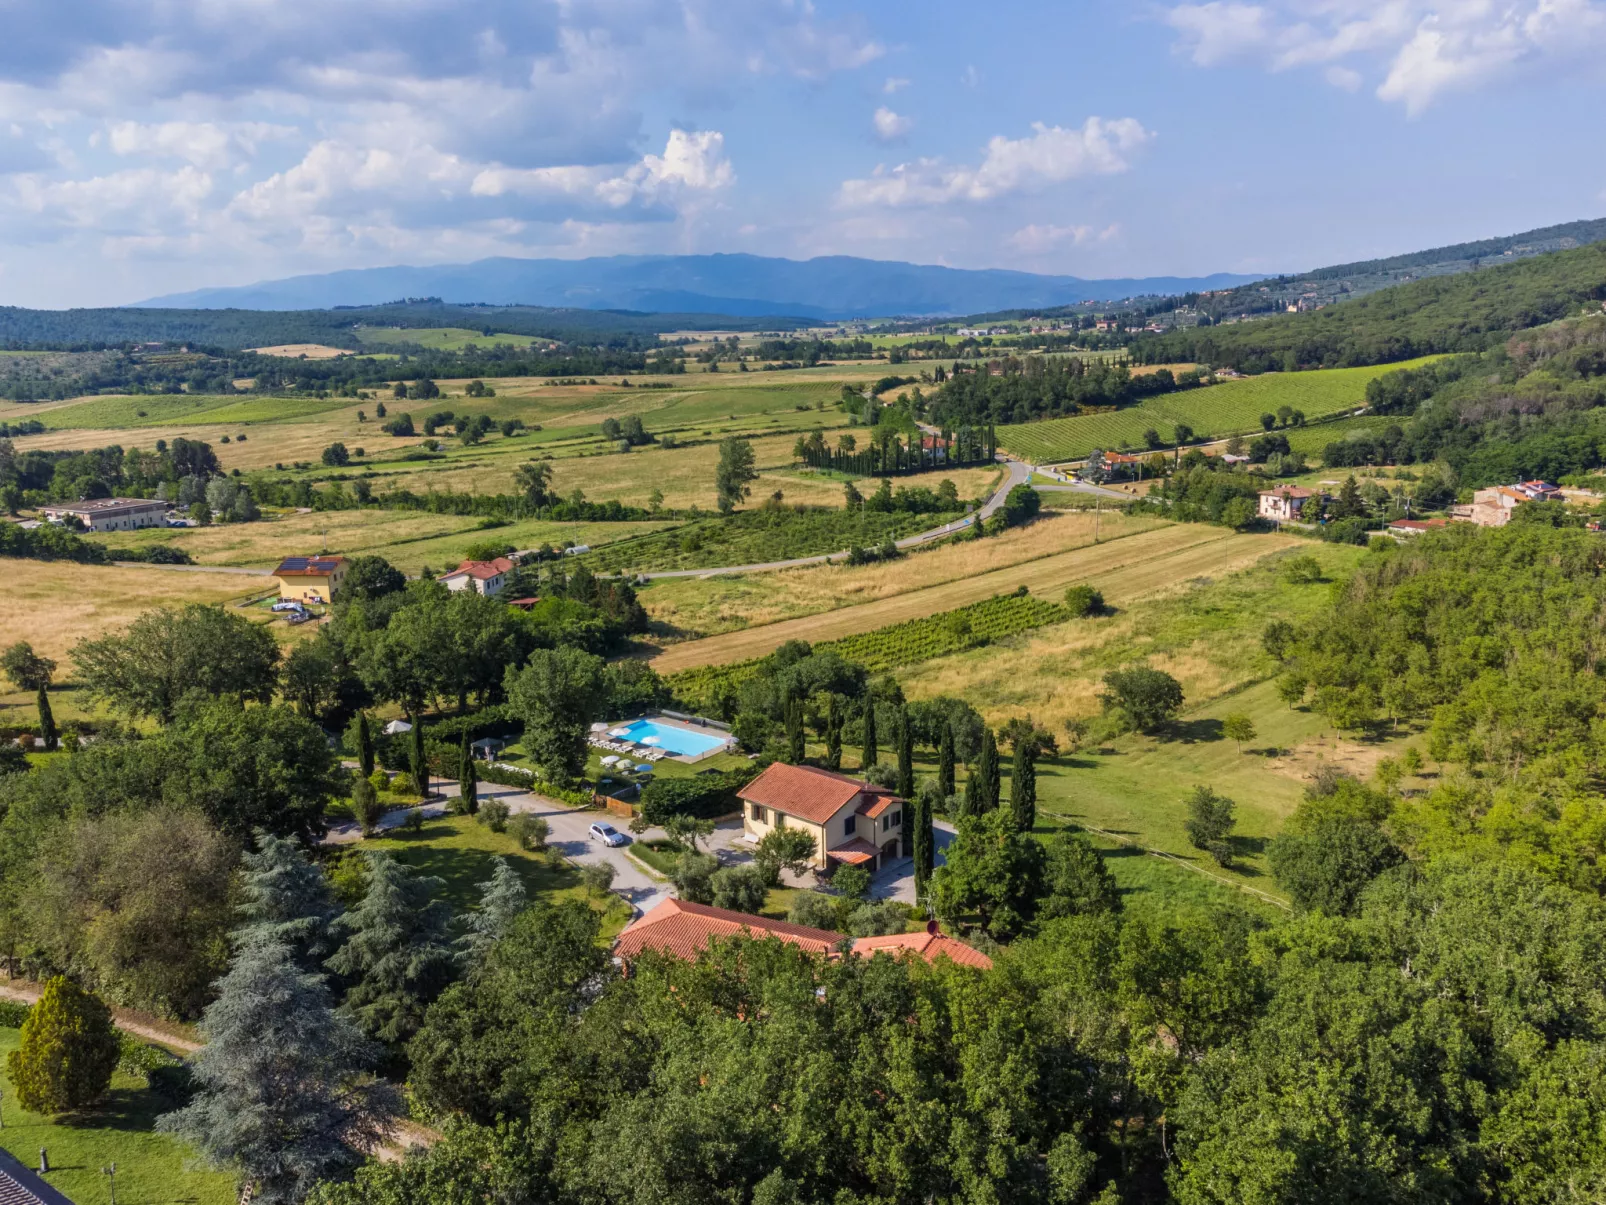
1014, 390
1469, 312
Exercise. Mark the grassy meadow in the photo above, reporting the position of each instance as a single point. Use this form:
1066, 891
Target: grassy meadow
1218, 410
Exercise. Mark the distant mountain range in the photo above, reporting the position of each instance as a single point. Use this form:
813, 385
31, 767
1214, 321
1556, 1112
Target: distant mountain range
830, 287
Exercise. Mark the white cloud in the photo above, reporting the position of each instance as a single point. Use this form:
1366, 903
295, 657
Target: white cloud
1423, 49
894, 85
1036, 239
1051, 155
970, 77
205, 144
890, 126
691, 162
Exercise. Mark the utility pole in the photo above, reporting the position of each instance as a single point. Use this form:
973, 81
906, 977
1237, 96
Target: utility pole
1096, 511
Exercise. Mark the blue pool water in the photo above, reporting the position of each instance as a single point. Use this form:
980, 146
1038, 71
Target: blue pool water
677, 740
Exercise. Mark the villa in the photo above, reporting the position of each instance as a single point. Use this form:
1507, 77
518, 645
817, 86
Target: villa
854, 823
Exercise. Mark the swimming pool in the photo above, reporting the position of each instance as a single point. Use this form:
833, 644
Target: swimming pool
680, 741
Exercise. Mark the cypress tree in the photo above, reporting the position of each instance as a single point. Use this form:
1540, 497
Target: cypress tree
396, 954
926, 845
47, 719
833, 731
945, 759
417, 762
915, 818
868, 755
1023, 785
281, 1090
792, 714
468, 778
987, 775
288, 899
502, 897
906, 755
365, 745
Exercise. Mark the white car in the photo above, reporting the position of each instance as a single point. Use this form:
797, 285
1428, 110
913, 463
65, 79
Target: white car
607, 834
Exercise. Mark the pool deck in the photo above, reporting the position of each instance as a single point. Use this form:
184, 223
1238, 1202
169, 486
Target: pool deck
727, 741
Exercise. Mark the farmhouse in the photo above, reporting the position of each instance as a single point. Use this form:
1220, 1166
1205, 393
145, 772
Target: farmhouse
110, 514
1414, 527
1492, 507
311, 578
1286, 503
684, 930
853, 823
486, 577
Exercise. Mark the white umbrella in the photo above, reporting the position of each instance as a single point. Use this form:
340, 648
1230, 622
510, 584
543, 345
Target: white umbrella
649, 740
599, 726
618, 732
610, 759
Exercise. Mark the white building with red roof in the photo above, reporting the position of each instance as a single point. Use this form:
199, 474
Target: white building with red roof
853, 822
1286, 503
486, 577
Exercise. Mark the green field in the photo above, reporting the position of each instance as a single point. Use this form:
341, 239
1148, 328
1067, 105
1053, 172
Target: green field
152, 1169
446, 338
1309, 441
1219, 410
170, 409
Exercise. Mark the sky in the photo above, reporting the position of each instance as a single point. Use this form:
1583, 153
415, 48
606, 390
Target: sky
151, 146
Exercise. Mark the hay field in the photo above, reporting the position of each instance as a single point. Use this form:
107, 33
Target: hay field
54, 604
408, 539
1142, 564
310, 351
707, 606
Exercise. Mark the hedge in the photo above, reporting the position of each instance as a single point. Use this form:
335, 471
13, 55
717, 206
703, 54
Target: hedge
704, 796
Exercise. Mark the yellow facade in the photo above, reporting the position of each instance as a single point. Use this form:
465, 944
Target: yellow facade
311, 587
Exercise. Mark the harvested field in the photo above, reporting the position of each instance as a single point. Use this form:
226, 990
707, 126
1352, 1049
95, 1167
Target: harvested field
708, 606
54, 604
312, 351
1127, 569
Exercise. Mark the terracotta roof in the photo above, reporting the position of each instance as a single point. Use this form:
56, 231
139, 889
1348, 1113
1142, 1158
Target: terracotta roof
308, 566
684, 930
854, 852
806, 792
929, 945
874, 807
1417, 524
1289, 491
483, 570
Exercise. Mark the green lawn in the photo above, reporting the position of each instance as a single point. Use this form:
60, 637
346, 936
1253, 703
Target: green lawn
152, 1169
441, 338
1218, 410
459, 851
160, 410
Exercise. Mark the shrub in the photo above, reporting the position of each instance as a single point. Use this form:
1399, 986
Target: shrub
365, 805
1145, 698
413, 822
529, 831
493, 814
403, 784
878, 918
693, 877
814, 909
597, 877
851, 882
68, 1052
1209, 823
740, 888
1083, 601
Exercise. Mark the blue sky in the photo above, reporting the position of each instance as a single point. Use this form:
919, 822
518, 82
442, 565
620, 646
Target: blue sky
147, 148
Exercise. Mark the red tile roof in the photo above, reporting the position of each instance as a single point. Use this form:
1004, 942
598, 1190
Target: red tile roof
874, 807
929, 945
484, 570
806, 792
1289, 491
1417, 524
684, 930
854, 852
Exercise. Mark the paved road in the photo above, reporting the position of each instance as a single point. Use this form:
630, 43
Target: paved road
1082, 487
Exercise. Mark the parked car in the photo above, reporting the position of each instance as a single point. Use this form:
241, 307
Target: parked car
297, 617
607, 834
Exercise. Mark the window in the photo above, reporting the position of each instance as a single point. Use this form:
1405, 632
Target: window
758, 814
848, 823
897, 819
886, 823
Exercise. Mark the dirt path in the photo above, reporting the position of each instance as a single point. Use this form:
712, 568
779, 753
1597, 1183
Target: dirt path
1124, 569
173, 1037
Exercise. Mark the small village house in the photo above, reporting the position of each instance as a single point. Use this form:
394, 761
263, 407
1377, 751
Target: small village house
1492, 507
853, 823
1286, 503
484, 577
110, 514
683, 929
311, 578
